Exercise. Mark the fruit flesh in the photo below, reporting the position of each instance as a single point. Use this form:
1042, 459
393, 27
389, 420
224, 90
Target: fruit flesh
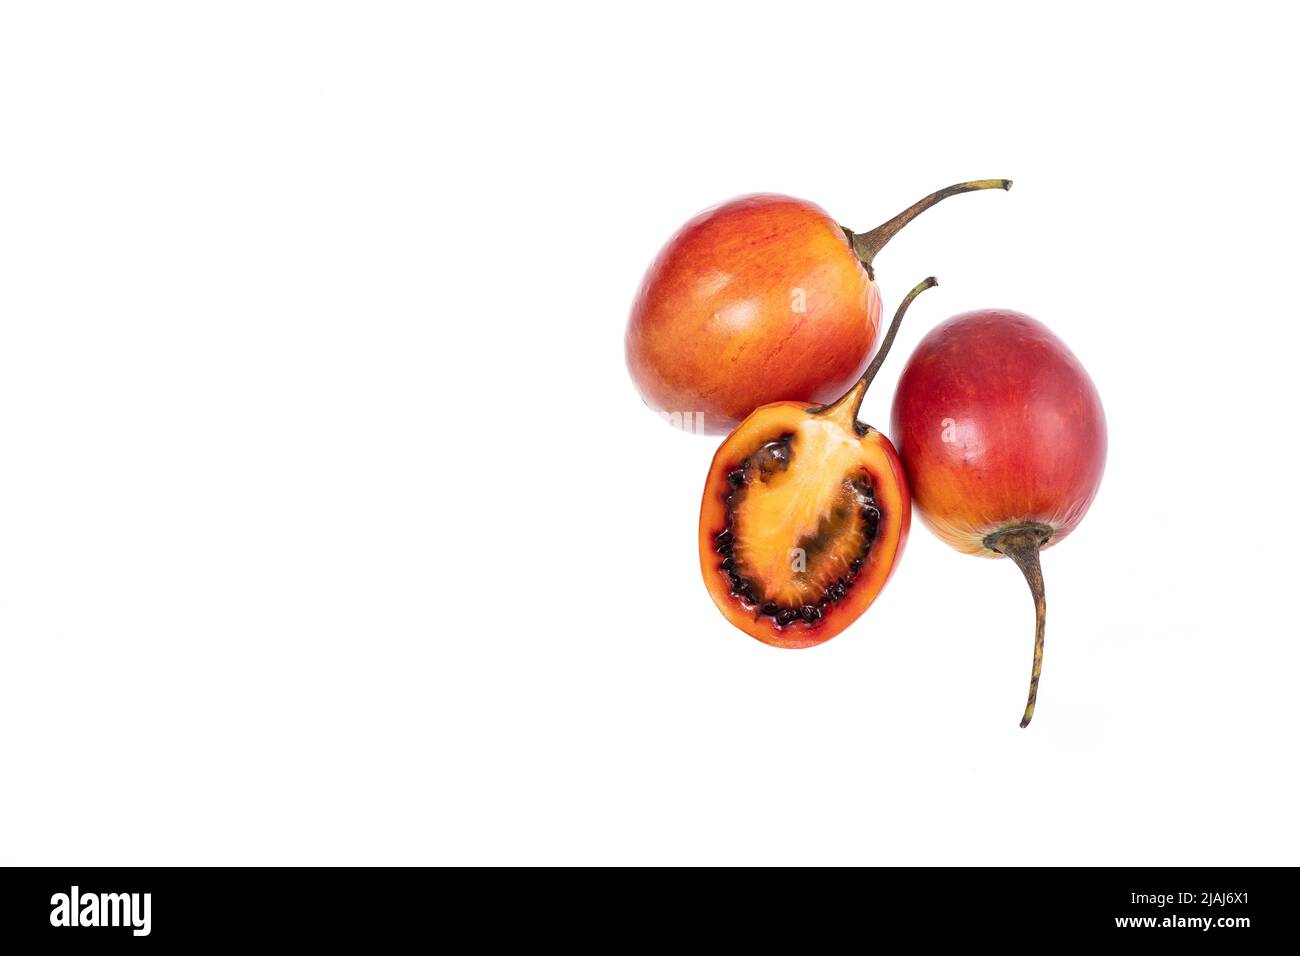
756, 300
998, 426
827, 516
813, 538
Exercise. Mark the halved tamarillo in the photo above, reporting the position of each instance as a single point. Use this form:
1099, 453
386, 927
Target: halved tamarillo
805, 514
760, 299
1003, 437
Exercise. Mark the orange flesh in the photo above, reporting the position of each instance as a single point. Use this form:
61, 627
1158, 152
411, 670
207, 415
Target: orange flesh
797, 530
831, 491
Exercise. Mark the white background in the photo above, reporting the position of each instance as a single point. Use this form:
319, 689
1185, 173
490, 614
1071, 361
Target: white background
333, 531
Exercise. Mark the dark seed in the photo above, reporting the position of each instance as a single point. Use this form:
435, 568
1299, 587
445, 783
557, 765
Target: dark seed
786, 616
723, 537
856, 565
728, 564
770, 609
810, 612
871, 521
736, 478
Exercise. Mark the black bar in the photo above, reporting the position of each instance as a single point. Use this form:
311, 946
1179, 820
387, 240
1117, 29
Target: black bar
1041, 908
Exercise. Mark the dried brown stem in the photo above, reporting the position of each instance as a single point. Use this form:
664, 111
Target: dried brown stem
867, 244
1022, 544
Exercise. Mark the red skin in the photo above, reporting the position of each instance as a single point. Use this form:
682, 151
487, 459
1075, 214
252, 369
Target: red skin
714, 329
998, 425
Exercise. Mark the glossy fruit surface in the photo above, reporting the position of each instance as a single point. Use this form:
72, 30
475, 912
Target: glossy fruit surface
1003, 438
998, 424
761, 299
804, 517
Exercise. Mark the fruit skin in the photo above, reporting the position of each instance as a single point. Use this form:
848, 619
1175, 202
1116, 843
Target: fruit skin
714, 330
880, 464
998, 425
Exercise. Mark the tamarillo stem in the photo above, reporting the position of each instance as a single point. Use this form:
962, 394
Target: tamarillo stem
1022, 545
867, 244
851, 401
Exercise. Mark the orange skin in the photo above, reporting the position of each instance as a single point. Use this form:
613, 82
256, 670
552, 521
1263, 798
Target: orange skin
998, 426
833, 435
715, 332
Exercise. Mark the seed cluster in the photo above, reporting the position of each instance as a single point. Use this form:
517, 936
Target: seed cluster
771, 457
